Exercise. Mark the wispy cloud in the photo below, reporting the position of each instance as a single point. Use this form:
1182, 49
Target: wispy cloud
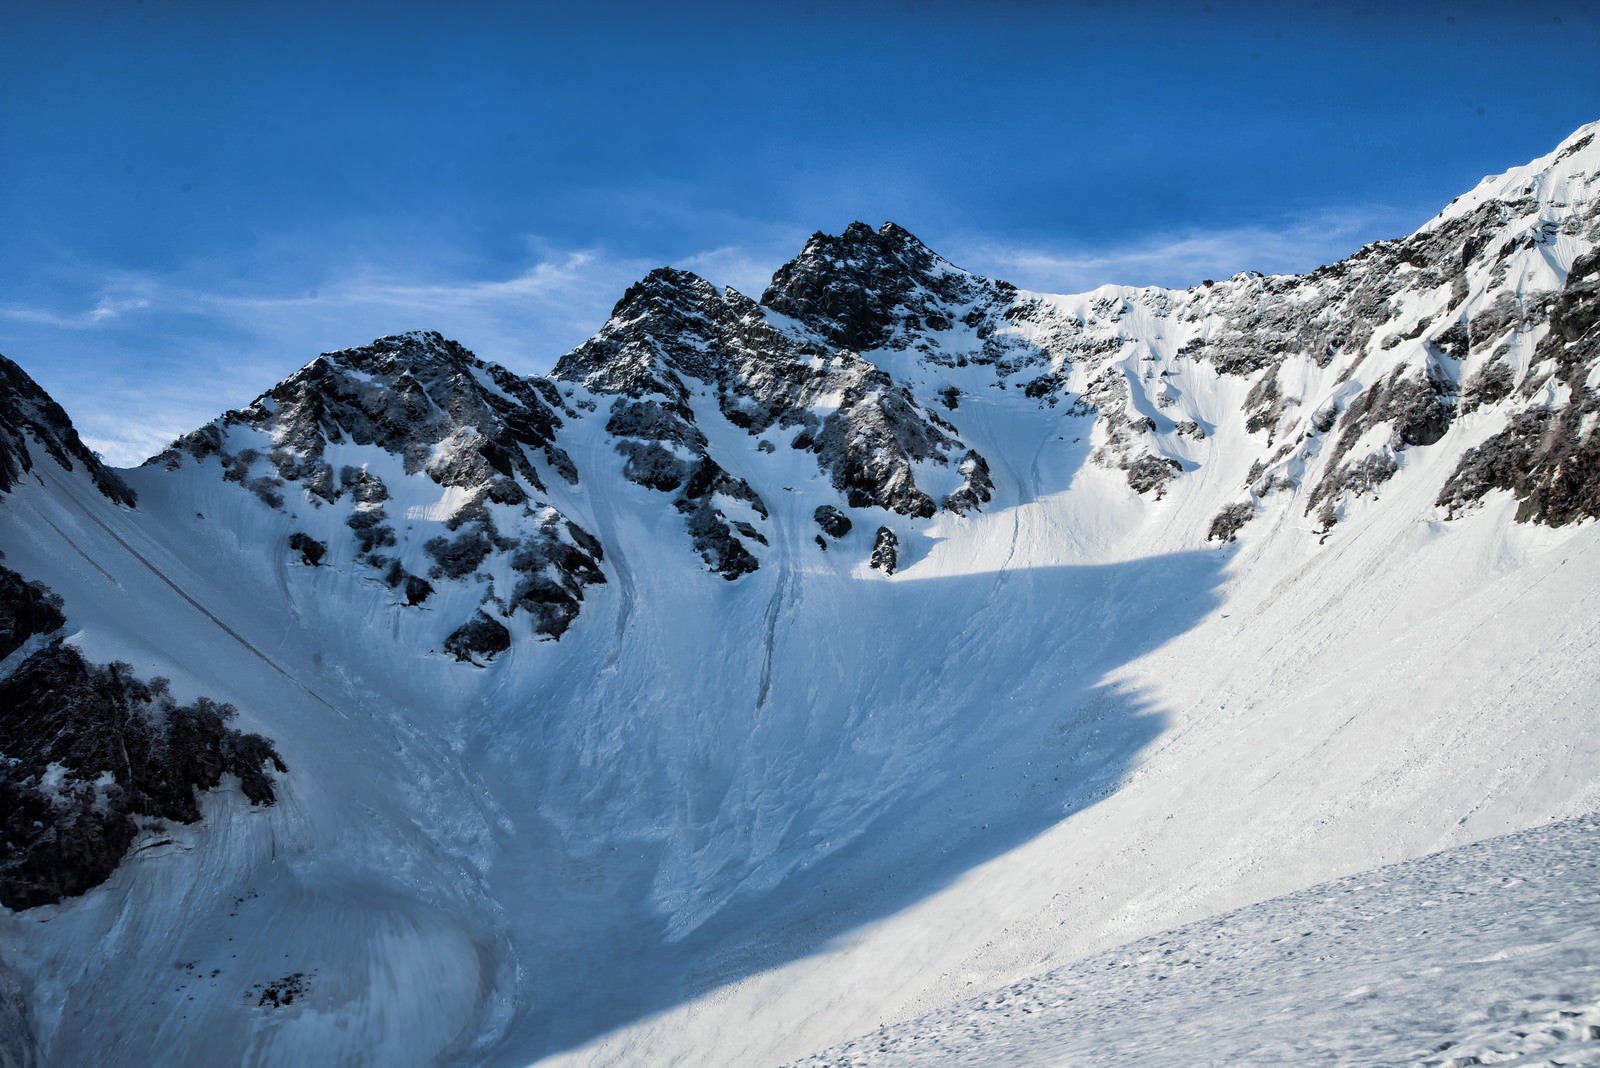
1185, 258
144, 357
28, 315
745, 269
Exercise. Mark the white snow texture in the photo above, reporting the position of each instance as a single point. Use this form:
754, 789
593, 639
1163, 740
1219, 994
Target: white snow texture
741, 822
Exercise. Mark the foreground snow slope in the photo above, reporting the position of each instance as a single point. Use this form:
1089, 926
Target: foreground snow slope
604, 749
1482, 954
1331, 715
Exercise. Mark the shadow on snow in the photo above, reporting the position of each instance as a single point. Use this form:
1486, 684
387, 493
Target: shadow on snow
913, 730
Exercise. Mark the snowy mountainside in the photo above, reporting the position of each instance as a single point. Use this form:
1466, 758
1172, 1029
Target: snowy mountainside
94, 756
1482, 954
776, 669
406, 407
870, 436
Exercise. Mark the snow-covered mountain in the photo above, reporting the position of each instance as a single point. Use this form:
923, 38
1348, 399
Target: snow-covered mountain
1481, 954
778, 669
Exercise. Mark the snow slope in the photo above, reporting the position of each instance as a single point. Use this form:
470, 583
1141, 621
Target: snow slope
726, 813
1483, 954
1330, 715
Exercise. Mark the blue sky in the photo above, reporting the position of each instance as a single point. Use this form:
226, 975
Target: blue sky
198, 198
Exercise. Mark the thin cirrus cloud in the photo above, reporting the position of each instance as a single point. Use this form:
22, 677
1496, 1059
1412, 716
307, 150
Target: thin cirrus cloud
225, 345
144, 358
1183, 259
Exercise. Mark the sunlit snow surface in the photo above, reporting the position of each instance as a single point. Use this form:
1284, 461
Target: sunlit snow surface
1483, 954
734, 823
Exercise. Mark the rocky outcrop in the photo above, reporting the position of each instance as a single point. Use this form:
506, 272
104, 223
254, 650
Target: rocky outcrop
480, 637
89, 754
665, 451
1225, 526
30, 420
867, 289
833, 522
425, 399
885, 551
674, 337
310, 549
1549, 454
424, 407
27, 610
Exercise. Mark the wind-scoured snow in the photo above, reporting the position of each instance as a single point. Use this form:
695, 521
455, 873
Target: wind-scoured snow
1179, 621
1483, 954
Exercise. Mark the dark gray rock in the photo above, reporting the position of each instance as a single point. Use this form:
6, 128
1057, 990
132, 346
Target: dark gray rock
834, 523
977, 487
885, 551
92, 752
1225, 526
1150, 474
675, 337
1419, 412
29, 416
310, 549
868, 288
478, 638
552, 575
1544, 456
459, 421
27, 609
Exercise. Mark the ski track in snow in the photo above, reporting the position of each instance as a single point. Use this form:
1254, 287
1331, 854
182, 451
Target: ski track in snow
144, 561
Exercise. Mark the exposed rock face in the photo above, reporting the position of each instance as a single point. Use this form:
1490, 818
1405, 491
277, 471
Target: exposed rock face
1549, 454
867, 289
425, 399
478, 637
88, 754
674, 337
27, 609
834, 523
665, 451
28, 415
885, 551
424, 408
310, 549
1229, 521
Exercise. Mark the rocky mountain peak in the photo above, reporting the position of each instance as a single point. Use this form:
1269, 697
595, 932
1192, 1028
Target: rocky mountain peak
412, 351
668, 325
665, 290
417, 417
406, 394
673, 334
28, 414
867, 289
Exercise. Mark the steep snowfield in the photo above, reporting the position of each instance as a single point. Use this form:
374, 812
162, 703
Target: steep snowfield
1484, 954
738, 822
1331, 713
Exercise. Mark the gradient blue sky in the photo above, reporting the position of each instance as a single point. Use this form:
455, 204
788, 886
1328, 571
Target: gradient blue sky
198, 198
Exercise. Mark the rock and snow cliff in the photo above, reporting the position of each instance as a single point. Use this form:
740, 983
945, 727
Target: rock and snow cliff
808, 659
